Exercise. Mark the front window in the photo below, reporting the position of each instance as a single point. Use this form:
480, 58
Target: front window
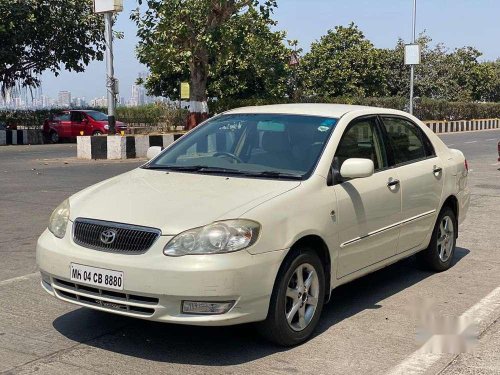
97, 116
260, 145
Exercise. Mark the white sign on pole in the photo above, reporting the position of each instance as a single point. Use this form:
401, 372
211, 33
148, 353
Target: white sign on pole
412, 54
105, 6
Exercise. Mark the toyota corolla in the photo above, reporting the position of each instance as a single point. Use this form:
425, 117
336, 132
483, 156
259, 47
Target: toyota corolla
257, 215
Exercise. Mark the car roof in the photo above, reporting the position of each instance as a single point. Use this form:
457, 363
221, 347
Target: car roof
311, 109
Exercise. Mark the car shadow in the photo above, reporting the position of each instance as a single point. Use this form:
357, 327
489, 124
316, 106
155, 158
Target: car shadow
225, 346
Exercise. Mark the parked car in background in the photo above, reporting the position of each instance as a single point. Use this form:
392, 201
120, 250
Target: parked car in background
256, 215
498, 147
71, 124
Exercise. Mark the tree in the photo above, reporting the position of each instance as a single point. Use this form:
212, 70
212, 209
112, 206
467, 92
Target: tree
39, 35
182, 39
343, 63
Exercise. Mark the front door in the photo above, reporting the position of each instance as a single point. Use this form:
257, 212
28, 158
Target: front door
369, 209
77, 124
421, 175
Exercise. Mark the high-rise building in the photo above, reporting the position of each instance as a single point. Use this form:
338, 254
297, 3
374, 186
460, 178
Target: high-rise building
137, 96
64, 99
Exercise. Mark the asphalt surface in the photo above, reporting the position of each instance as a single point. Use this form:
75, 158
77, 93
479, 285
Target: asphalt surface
369, 327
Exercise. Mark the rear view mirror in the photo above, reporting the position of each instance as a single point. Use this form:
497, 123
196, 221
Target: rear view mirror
357, 168
153, 152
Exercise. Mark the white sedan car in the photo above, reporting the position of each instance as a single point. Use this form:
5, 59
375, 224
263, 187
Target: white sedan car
256, 215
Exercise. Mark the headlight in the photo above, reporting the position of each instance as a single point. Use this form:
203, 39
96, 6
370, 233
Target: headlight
59, 220
106, 127
216, 238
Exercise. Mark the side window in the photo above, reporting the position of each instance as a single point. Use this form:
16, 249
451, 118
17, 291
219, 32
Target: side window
361, 140
76, 116
62, 117
406, 140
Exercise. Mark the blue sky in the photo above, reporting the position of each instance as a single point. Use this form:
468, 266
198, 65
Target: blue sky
455, 23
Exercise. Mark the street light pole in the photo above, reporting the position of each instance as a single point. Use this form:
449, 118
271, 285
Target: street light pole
110, 72
412, 67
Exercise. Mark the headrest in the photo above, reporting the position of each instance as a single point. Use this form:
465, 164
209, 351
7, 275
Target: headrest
275, 142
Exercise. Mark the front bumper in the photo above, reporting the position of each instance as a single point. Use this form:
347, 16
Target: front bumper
155, 285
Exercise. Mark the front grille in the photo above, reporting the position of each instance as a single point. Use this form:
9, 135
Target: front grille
129, 239
115, 301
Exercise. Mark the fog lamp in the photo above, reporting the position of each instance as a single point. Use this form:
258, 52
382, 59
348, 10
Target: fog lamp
206, 308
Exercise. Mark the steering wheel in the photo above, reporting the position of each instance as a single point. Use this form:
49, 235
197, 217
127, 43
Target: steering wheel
232, 156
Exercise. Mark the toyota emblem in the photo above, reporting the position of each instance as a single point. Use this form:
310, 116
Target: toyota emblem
108, 236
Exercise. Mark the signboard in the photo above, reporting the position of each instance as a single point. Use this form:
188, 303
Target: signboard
185, 90
105, 6
412, 54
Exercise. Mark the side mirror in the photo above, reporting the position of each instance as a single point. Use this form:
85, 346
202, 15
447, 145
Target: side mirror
357, 168
153, 152
85, 121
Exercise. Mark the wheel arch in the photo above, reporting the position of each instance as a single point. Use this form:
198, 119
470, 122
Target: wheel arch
319, 246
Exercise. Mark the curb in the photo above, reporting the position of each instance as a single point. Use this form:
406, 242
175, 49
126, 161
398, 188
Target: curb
121, 147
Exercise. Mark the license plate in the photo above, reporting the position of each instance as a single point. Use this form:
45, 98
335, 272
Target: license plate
96, 276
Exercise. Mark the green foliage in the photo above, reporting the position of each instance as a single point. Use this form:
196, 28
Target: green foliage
427, 109
343, 63
39, 35
160, 117
197, 40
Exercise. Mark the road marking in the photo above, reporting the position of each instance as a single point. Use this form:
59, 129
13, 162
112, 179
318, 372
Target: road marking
19, 278
470, 142
421, 360
491, 139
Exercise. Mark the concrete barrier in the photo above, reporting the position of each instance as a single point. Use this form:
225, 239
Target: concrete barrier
117, 147
440, 127
20, 137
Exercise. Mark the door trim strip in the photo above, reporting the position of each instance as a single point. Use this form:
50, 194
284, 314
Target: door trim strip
381, 230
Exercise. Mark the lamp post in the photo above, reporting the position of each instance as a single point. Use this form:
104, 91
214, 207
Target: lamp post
108, 8
412, 54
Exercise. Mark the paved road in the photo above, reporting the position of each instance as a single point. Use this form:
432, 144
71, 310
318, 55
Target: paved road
368, 328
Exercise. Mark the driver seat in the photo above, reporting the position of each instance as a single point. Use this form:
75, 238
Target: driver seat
278, 153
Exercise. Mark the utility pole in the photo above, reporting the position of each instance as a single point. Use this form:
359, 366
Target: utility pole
110, 73
108, 8
412, 68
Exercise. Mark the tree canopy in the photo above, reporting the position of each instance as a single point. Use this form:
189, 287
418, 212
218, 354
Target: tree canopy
191, 39
39, 35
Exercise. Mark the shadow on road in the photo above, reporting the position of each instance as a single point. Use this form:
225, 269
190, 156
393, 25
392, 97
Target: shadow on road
224, 346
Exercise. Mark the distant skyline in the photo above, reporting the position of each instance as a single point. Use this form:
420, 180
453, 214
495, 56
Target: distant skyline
456, 23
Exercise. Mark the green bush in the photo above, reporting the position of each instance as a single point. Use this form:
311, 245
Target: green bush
158, 117
425, 109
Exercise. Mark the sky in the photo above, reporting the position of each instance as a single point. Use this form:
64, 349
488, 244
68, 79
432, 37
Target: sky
456, 23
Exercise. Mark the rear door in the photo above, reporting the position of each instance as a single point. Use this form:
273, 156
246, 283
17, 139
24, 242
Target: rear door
64, 124
369, 209
421, 176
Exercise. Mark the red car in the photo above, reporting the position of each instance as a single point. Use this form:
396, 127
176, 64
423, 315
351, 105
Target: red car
70, 124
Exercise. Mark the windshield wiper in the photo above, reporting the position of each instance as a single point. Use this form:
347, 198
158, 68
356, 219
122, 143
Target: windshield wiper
183, 168
195, 168
272, 174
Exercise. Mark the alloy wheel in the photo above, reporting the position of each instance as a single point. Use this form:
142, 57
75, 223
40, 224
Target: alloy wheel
445, 238
301, 297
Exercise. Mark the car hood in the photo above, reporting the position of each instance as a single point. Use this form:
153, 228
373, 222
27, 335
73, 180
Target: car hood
173, 202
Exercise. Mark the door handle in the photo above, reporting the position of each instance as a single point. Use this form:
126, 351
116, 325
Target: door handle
437, 170
392, 183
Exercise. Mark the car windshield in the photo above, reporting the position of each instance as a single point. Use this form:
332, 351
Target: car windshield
260, 145
97, 116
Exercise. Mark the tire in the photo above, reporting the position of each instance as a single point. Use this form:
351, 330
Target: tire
438, 256
276, 327
54, 137
97, 133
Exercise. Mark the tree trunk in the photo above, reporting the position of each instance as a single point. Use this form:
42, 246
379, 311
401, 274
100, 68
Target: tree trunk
198, 107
